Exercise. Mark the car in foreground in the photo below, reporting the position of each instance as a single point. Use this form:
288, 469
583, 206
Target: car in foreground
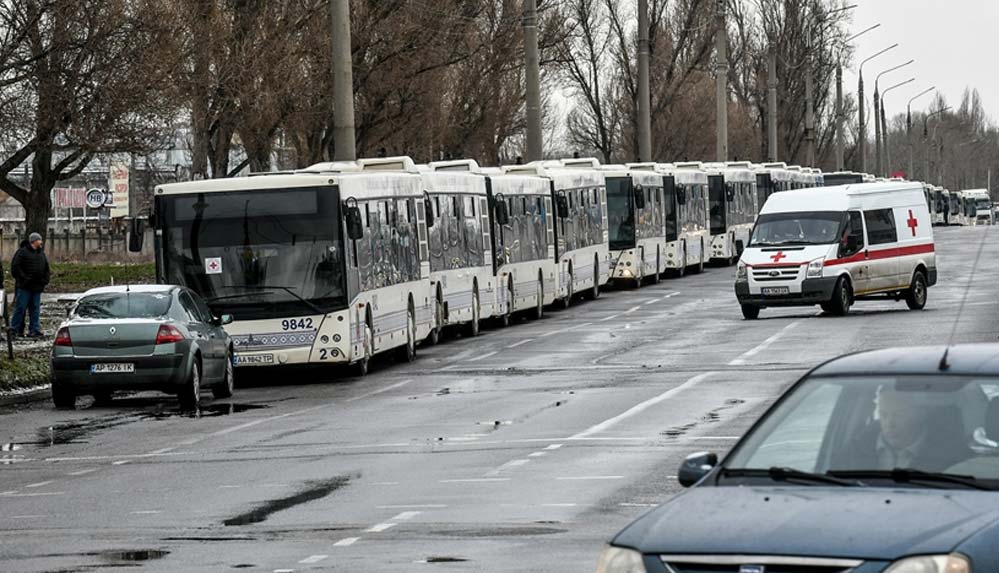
141, 337
879, 462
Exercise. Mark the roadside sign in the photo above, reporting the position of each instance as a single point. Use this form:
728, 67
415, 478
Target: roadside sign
118, 188
96, 198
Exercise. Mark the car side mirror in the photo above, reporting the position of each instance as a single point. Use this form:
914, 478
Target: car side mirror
225, 319
355, 227
563, 206
639, 197
502, 213
136, 235
695, 467
428, 211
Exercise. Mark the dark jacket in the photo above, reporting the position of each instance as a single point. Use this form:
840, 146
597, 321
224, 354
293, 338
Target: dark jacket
30, 268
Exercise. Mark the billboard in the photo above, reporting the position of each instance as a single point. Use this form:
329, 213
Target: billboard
118, 190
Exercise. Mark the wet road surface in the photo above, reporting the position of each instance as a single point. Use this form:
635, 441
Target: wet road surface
522, 450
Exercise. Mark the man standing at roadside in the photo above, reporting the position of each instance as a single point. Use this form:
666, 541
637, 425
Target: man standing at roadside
30, 269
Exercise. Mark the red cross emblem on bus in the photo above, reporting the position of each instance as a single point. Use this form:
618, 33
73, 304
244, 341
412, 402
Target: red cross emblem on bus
777, 258
912, 223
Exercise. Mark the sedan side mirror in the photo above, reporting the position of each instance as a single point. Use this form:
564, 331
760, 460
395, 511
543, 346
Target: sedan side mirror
695, 467
223, 320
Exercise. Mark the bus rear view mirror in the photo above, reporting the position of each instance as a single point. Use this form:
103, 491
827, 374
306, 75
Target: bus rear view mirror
355, 227
563, 206
502, 214
681, 196
729, 193
639, 197
428, 211
136, 235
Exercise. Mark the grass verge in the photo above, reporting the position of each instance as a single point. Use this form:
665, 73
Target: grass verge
29, 369
78, 277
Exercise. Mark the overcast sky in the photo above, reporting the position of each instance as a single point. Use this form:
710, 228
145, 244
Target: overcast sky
955, 44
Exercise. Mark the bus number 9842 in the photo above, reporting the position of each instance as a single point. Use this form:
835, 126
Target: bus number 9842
300, 324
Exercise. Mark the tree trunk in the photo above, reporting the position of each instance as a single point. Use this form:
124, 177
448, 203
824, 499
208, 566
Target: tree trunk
38, 204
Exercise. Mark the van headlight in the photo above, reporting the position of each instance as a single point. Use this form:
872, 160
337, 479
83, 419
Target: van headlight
740, 271
932, 564
620, 560
815, 268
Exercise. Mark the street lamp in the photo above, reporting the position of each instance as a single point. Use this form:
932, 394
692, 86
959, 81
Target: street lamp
908, 130
926, 149
884, 122
810, 87
839, 96
860, 101
879, 164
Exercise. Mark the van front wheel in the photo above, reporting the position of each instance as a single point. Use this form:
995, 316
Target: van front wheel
750, 312
840, 303
915, 297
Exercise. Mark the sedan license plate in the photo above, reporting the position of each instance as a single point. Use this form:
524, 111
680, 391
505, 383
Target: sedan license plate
255, 359
113, 368
775, 291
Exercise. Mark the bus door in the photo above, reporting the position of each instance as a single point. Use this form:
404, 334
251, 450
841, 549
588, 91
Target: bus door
717, 204
671, 208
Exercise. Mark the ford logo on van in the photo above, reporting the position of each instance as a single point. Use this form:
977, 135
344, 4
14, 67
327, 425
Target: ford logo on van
774, 273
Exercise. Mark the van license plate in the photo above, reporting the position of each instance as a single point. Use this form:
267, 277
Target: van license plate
255, 359
775, 291
113, 368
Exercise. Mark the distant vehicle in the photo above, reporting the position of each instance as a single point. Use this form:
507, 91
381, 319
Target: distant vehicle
884, 461
732, 207
980, 201
941, 205
771, 178
956, 213
843, 178
836, 245
141, 337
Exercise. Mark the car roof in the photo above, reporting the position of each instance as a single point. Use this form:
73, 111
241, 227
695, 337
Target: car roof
962, 360
131, 288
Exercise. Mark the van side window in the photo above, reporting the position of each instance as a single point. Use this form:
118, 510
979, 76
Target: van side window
880, 226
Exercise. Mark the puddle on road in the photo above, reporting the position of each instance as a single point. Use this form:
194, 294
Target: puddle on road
133, 555
443, 559
204, 411
313, 490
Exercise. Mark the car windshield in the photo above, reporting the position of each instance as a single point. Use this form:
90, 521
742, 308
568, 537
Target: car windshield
804, 228
123, 305
880, 427
257, 254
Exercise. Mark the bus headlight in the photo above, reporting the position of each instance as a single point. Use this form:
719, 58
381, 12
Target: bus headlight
815, 268
932, 564
741, 271
620, 560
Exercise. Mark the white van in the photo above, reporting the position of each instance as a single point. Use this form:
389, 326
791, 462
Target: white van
836, 245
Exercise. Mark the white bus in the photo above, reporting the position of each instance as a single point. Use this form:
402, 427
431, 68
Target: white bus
979, 206
314, 267
523, 236
636, 208
732, 208
941, 205
955, 215
771, 178
580, 198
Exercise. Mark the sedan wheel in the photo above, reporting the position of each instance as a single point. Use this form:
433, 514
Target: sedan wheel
224, 389
190, 394
63, 397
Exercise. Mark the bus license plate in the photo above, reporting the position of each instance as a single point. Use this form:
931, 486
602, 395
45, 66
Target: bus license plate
775, 291
113, 368
255, 359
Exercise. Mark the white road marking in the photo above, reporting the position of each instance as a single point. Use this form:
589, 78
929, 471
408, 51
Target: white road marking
581, 478
655, 300
560, 331
380, 527
284, 571
146, 512
473, 480
35, 494
313, 559
640, 407
446, 368
559, 505
385, 483
82, 472
536, 454
163, 450
26, 516
379, 391
40, 484
264, 420
120, 462
189, 442
763, 345
611, 317
554, 447
346, 541
414, 506
230, 486
671, 295
506, 466
516, 344
626, 504
406, 515
483, 356
632, 309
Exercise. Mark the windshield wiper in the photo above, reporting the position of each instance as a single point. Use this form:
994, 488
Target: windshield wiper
288, 290
908, 475
785, 473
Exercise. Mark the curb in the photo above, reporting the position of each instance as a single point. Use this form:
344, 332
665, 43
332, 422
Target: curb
26, 397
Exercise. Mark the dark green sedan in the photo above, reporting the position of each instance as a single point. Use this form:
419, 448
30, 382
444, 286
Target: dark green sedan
141, 337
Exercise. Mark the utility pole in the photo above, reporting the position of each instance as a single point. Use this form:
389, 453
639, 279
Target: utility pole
343, 84
721, 81
884, 125
532, 76
877, 131
772, 104
908, 130
861, 103
839, 118
644, 97
809, 113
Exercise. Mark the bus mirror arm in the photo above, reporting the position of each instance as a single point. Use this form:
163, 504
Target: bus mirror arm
136, 235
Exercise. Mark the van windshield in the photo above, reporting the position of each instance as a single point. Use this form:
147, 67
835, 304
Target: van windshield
803, 228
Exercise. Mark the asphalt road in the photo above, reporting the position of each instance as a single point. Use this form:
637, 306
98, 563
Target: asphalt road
522, 450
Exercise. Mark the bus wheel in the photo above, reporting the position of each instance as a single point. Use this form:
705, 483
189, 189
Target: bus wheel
473, 327
437, 332
507, 317
750, 312
539, 310
408, 352
640, 274
656, 277
361, 366
595, 289
915, 297
681, 269
567, 301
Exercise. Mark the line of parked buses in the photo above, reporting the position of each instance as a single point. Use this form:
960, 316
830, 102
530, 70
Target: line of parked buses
342, 261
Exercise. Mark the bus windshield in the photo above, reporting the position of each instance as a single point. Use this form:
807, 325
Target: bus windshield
620, 213
983, 203
805, 228
257, 254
